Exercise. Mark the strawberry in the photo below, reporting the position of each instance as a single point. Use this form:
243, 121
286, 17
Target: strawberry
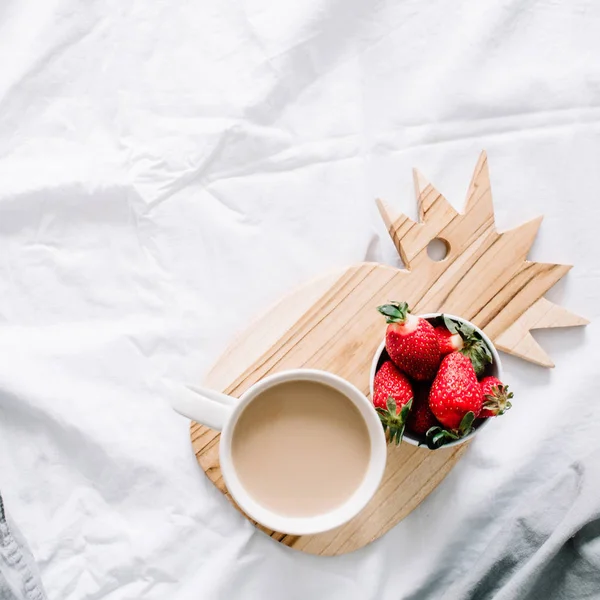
496, 397
392, 398
455, 392
449, 342
411, 342
420, 418
458, 336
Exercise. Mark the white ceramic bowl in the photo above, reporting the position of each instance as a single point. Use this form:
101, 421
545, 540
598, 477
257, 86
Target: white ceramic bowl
494, 369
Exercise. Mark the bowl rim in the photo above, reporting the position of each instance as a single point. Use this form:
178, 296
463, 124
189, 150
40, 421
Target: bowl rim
497, 365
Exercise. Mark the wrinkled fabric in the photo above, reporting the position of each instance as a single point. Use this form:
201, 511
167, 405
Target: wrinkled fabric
170, 169
547, 548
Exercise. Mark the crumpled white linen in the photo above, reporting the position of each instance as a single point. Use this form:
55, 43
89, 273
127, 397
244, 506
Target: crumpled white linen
168, 169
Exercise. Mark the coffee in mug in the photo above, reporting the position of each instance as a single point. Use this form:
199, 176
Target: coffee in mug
301, 448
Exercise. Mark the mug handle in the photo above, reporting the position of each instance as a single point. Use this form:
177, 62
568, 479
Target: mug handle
206, 406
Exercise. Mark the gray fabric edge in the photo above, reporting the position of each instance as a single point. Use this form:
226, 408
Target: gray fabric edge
18, 558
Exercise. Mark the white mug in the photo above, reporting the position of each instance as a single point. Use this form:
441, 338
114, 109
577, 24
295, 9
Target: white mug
221, 412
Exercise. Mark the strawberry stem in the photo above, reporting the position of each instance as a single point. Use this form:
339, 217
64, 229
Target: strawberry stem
394, 312
473, 345
499, 400
437, 437
466, 425
392, 421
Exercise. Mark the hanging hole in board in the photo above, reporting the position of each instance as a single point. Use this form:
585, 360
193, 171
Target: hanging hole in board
438, 249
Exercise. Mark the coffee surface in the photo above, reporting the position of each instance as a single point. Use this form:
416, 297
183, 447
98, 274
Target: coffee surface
301, 448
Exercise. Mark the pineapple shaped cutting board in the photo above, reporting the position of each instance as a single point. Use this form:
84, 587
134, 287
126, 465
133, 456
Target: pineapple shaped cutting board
331, 324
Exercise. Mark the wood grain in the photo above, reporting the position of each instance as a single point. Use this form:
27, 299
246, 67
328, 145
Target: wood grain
331, 324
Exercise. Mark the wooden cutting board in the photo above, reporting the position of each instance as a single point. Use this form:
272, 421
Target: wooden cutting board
332, 324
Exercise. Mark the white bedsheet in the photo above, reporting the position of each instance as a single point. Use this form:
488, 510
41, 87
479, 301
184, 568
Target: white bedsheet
168, 169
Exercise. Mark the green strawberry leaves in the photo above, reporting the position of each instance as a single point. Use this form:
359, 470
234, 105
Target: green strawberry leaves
474, 347
451, 325
437, 437
394, 312
480, 356
392, 421
466, 425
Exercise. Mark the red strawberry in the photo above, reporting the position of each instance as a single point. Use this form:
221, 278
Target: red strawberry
392, 398
455, 392
420, 418
449, 342
411, 342
496, 397
456, 335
